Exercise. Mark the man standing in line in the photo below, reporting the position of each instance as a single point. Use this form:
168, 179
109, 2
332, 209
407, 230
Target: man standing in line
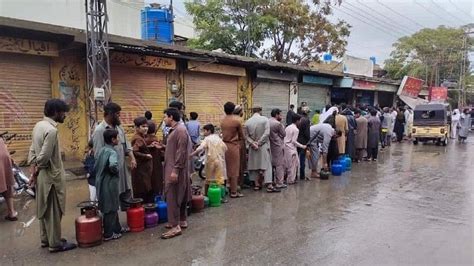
176, 173
194, 128
343, 126
232, 135
48, 175
303, 138
361, 135
260, 161
112, 121
277, 146
321, 135
373, 135
289, 115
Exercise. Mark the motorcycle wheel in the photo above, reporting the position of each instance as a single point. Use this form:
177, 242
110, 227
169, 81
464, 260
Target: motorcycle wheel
202, 173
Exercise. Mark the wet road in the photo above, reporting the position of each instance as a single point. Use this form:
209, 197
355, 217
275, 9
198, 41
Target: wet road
413, 206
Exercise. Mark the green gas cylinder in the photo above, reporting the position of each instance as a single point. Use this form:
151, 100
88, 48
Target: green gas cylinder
214, 193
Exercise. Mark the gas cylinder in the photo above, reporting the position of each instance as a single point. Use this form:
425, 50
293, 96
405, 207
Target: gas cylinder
214, 193
197, 203
88, 225
336, 169
324, 175
161, 209
136, 215
206, 202
223, 191
151, 216
348, 163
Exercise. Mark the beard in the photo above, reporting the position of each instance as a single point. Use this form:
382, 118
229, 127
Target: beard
116, 121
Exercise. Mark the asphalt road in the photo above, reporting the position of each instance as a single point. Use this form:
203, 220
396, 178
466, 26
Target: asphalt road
413, 206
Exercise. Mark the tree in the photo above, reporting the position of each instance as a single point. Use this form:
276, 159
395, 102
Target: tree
433, 55
279, 30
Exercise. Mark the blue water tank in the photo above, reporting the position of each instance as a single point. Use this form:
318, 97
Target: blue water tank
372, 58
157, 24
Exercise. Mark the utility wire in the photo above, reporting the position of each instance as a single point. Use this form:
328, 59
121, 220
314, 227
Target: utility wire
381, 22
446, 11
384, 16
370, 25
460, 10
401, 15
431, 12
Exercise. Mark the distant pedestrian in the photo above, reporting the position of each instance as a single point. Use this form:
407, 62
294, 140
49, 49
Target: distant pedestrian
352, 126
151, 123
157, 152
361, 135
141, 175
400, 124
455, 118
343, 126
239, 113
176, 173
321, 135
107, 184
49, 177
464, 125
373, 135
315, 118
194, 128
386, 124
180, 107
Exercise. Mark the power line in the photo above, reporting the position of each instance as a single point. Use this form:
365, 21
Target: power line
401, 15
460, 9
384, 16
381, 22
447, 12
429, 11
373, 26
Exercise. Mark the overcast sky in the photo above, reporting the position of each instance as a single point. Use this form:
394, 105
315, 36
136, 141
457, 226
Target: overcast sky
376, 24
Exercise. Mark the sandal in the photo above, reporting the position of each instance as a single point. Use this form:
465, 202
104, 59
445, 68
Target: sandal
272, 190
237, 195
292, 183
114, 236
183, 225
124, 230
170, 234
168, 226
11, 219
257, 188
46, 244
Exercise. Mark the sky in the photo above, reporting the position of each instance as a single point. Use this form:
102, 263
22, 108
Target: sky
376, 24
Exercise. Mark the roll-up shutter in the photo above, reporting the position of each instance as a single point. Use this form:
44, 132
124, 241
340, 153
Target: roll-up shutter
138, 90
315, 96
207, 93
25, 86
270, 95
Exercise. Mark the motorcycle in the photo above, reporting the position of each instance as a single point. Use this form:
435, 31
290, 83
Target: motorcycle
21, 179
199, 164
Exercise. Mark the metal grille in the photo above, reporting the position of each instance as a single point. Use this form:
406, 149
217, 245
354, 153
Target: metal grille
270, 95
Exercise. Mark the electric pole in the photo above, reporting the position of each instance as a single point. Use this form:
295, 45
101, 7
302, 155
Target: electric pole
98, 65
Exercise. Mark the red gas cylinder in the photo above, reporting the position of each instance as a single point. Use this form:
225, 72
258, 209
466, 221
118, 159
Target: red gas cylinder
197, 200
88, 225
136, 215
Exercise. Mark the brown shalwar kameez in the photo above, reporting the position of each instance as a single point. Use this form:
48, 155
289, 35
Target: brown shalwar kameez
178, 148
141, 175
232, 135
157, 173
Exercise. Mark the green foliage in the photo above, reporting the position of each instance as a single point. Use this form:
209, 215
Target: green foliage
430, 54
279, 30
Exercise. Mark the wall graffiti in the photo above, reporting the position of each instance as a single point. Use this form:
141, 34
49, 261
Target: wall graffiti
119, 58
25, 46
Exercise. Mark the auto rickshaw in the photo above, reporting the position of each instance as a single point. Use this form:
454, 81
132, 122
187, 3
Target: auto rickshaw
431, 122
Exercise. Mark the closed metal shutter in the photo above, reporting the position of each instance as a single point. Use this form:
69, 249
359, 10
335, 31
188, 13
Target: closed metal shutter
25, 86
270, 95
138, 90
207, 93
315, 96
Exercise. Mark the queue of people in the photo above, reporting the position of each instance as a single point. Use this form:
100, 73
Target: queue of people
274, 154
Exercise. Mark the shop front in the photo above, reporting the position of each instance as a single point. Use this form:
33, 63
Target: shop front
208, 87
139, 84
25, 86
272, 90
342, 91
315, 92
364, 92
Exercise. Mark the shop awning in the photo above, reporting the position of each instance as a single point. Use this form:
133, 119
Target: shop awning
412, 102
